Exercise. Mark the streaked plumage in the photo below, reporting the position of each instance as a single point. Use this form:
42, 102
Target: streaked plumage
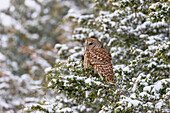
99, 58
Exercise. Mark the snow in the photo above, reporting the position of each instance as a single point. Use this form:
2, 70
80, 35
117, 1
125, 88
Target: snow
152, 39
82, 107
147, 88
159, 105
32, 4
87, 80
115, 51
133, 102
2, 57
48, 69
35, 36
142, 94
39, 60
149, 104
118, 67
4, 85
26, 77
133, 96
159, 85
14, 85
77, 52
137, 80
127, 69
143, 36
111, 40
6, 20
130, 102
29, 99
4, 104
66, 110
98, 93
155, 88
14, 65
104, 12
79, 36
4, 4
91, 34
33, 69
3, 41
152, 64
87, 93
59, 45
74, 12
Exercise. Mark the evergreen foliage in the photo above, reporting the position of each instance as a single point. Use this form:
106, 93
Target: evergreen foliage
136, 33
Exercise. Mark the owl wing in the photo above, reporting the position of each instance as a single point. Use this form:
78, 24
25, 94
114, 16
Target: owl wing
100, 59
99, 56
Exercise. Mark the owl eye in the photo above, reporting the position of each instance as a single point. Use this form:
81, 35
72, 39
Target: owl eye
90, 43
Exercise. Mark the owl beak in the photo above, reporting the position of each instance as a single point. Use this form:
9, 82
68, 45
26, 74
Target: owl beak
87, 47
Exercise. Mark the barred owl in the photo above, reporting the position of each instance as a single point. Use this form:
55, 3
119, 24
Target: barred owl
99, 58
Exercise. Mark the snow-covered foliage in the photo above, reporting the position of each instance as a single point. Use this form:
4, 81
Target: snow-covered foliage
16, 92
32, 33
136, 32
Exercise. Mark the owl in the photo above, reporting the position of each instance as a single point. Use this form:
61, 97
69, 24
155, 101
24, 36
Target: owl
99, 58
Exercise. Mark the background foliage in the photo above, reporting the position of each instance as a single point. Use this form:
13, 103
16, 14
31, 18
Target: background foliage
29, 29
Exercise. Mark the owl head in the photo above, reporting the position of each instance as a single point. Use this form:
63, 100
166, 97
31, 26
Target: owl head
92, 43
